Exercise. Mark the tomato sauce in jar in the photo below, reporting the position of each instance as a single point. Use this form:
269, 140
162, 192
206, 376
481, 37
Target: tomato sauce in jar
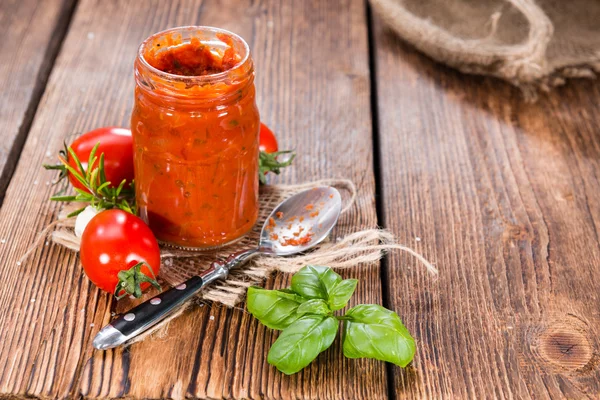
195, 129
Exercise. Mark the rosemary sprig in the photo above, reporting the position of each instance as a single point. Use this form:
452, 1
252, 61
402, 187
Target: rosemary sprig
99, 192
59, 167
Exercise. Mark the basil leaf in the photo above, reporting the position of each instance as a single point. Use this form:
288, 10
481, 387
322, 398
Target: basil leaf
301, 342
313, 282
341, 293
375, 332
274, 308
314, 306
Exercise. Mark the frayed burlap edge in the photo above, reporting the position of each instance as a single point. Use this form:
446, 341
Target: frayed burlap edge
362, 247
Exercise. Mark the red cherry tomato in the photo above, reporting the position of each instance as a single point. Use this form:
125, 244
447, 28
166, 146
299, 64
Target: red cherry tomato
268, 141
114, 241
117, 146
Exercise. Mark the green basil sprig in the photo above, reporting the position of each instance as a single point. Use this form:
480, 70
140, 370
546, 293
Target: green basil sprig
304, 314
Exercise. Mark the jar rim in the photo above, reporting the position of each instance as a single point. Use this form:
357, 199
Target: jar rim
199, 78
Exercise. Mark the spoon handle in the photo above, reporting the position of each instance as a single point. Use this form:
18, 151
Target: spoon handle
147, 314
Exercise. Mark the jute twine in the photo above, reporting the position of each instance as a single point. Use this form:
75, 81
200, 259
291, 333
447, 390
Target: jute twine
363, 247
533, 44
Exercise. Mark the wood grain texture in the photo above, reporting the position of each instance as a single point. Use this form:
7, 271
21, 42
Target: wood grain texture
31, 34
503, 196
313, 84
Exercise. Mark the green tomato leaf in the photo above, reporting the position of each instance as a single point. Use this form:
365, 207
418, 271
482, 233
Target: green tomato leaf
375, 332
301, 342
314, 306
274, 308
314, 282
341, 293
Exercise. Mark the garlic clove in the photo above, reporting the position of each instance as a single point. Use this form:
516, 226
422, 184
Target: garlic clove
83, 218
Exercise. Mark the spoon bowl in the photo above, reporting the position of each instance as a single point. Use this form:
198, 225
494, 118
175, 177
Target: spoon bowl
301, 222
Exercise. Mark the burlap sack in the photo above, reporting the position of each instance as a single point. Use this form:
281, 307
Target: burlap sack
534, 44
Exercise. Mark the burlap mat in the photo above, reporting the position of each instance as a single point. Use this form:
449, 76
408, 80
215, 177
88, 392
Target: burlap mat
534, 44
361, 247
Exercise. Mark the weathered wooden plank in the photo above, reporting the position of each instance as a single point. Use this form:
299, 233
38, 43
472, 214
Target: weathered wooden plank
502, 195
313, 84
31, 35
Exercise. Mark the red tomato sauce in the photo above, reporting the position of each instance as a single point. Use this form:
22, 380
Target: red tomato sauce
196, 142
193, 59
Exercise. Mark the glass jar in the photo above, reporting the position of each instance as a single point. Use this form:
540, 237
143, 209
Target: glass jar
195, 129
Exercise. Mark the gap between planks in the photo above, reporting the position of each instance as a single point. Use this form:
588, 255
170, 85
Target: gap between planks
58, 35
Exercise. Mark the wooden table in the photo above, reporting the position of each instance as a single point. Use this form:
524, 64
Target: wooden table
502, 195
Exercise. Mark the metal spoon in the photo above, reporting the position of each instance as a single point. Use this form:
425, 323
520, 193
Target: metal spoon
310, 215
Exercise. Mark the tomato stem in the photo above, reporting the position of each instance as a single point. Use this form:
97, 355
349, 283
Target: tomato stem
130, 281
267, 162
